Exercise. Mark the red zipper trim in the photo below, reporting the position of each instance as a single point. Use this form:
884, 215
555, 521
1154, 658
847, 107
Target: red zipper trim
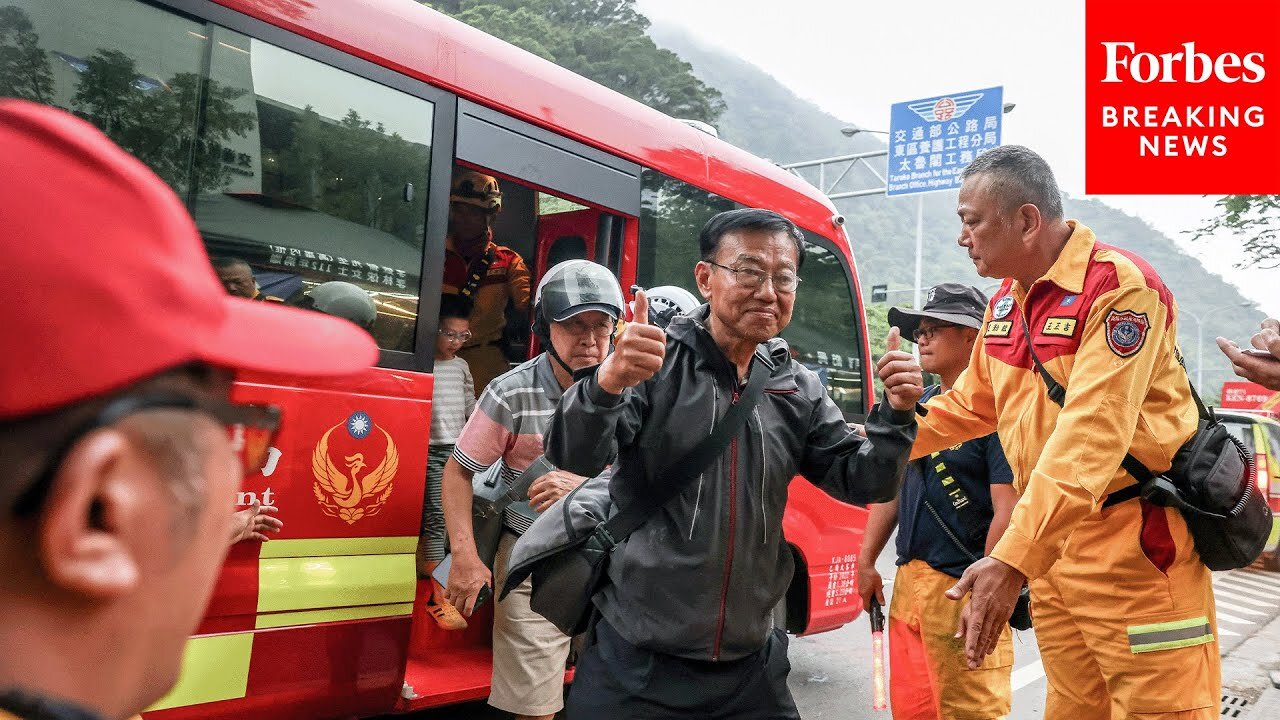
728, 556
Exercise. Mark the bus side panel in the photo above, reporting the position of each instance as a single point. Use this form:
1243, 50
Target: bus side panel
827, 534
315, 623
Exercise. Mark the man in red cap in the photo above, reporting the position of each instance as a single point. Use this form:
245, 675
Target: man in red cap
117, 469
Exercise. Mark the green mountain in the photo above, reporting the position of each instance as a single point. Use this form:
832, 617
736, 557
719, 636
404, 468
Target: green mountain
764, 117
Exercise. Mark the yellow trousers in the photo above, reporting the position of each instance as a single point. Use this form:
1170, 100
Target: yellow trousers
929, 677
1125, 621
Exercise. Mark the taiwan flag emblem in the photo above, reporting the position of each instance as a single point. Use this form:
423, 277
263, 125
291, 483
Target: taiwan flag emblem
1126, 331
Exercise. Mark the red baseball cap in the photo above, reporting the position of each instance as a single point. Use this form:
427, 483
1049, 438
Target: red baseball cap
104, 279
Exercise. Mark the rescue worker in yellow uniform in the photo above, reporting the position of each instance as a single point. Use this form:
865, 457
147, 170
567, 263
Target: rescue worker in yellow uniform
952, 509
491, 275
1123, 606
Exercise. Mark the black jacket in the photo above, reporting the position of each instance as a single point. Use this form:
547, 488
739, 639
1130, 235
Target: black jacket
701, 578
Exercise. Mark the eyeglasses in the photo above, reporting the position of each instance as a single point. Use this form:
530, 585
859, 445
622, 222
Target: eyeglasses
926, 333
252, 430
578, 328
750, 278
463, 336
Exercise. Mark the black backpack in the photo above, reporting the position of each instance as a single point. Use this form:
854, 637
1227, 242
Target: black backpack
1213, 482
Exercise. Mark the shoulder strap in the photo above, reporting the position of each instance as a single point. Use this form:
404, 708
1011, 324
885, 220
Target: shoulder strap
694, 462
1058, 393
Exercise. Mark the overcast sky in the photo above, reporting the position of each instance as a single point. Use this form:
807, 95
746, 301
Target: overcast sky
855, 58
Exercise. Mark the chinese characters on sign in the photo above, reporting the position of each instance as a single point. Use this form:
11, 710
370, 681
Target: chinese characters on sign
841, 583
933, 139
291, 257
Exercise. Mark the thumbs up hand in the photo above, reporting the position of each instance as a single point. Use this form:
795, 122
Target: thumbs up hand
903, 380
638, 353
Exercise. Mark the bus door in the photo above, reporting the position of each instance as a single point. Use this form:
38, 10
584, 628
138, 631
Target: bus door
560, 200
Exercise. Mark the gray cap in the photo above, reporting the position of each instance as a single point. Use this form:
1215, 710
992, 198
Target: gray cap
949, 302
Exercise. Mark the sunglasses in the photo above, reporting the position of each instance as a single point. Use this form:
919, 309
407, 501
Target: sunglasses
252, 430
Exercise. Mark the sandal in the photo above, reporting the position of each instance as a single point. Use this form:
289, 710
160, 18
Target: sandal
446, 615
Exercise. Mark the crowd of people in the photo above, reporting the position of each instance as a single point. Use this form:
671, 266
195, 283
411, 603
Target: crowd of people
118, 471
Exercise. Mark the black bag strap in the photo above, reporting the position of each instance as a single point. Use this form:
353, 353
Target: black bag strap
682, 472
947, 530
1058, 393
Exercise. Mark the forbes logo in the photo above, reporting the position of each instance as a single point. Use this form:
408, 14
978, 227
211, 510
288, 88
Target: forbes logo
1187, 66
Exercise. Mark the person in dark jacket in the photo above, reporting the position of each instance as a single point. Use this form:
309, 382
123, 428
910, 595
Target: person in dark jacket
686, 628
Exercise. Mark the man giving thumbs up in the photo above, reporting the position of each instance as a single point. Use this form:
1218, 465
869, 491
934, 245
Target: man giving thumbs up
698, 582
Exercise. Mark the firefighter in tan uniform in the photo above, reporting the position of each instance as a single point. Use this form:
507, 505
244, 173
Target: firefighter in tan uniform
493, 276
1123, 607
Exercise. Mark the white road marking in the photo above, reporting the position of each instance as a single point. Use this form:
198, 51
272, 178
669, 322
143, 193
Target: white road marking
1227, 632
1219, 592
1233, 619
1262, 576
1025, 675
1239, 608
1266, 590
1240, 592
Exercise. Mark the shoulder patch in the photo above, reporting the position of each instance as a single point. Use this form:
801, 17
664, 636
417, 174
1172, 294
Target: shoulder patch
1003, 306
1126, 331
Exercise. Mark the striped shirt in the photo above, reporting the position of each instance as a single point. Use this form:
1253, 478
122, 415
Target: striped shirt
513, 413
452, 401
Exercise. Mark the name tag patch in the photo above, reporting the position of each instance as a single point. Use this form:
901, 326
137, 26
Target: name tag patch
999, 328
1060, 326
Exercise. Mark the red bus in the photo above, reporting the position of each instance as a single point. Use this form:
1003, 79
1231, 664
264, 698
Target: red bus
316, 140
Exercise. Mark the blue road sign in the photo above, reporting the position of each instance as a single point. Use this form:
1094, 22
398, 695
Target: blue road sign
933, 139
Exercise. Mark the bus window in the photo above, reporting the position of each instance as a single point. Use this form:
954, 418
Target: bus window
327, 180
295, 172
671, 215
823, 333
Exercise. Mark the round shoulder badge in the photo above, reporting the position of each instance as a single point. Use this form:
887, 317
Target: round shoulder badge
1126, 331
1003, 307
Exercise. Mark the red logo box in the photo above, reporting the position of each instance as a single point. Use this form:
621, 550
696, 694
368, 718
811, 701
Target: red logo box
1182, 97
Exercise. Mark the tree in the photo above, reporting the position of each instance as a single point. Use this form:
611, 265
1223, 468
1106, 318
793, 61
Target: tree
1255, 219
156, 125
24, 67
602, 40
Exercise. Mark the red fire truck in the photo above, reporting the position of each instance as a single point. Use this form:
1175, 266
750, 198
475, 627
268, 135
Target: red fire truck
315, 140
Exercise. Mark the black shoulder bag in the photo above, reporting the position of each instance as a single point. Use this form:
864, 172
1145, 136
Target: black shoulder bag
566, 578
1021, 617
1212, 482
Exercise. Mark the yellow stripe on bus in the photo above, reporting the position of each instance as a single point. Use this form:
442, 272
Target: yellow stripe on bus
214, 667
308, 583
313, 547
315, 617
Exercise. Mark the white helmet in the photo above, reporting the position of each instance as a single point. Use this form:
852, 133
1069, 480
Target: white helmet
668, 301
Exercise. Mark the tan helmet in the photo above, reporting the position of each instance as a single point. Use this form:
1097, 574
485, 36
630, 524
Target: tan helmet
476, 188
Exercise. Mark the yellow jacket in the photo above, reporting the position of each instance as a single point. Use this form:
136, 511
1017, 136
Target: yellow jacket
1103, 324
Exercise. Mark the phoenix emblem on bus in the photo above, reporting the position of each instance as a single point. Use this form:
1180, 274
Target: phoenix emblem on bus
350, 493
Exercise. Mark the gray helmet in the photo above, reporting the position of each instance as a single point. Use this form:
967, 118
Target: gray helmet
576, 286
344, 300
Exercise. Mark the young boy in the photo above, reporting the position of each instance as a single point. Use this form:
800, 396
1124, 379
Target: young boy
454, 401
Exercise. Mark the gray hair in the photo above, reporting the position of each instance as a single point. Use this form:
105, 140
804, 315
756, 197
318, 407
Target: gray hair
1019, 177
